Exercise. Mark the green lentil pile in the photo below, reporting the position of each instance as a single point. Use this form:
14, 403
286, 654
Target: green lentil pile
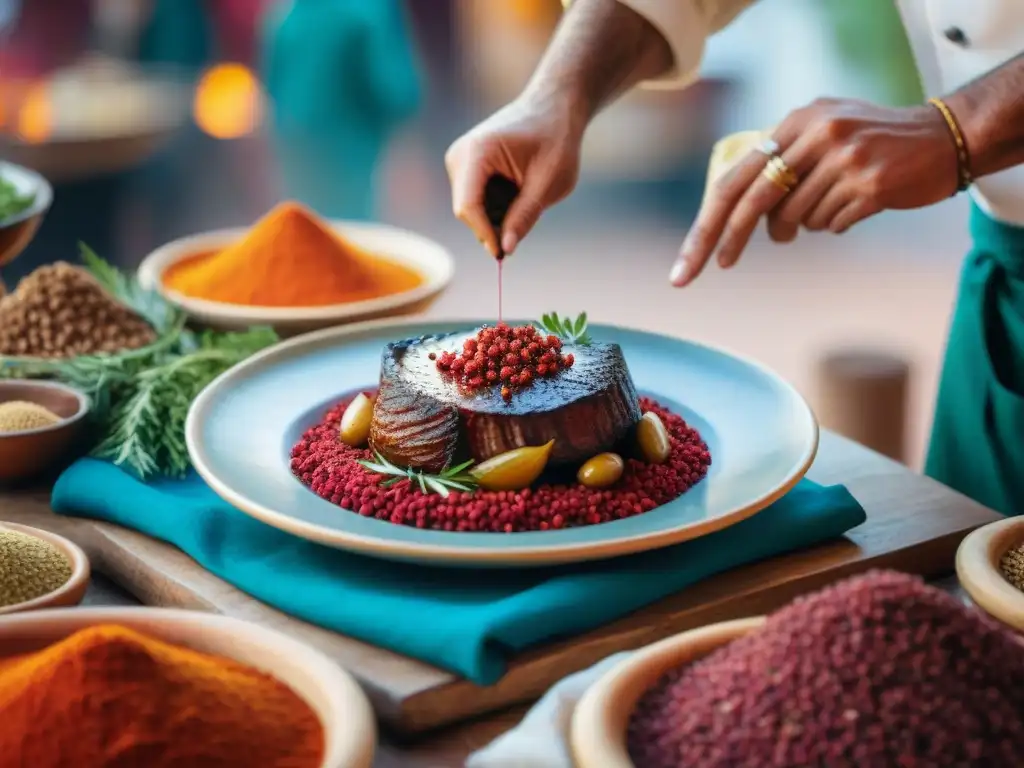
29, 568
1012, 566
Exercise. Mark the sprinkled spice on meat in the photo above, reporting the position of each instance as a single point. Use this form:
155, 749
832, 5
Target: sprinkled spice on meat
879, 670
509, 357
329, 467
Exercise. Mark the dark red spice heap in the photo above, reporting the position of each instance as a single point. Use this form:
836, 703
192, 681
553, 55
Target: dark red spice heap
513, 357
879, 670
329, 468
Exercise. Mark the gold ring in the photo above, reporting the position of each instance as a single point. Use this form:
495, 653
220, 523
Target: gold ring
780, 174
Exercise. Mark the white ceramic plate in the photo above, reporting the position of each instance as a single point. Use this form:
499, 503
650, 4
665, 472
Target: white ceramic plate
432, 260
350, 732
240, 430
26, 181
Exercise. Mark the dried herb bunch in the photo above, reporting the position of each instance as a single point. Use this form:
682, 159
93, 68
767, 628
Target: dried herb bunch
140, 398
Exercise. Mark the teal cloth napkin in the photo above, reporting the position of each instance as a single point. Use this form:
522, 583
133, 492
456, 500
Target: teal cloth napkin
467, 621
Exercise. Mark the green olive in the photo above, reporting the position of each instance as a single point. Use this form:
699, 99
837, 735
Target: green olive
601, 471
513, 470
652, 439
355, 422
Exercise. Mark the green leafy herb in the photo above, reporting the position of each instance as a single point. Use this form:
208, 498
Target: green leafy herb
140, 398
572, 331
11, 201
449, 479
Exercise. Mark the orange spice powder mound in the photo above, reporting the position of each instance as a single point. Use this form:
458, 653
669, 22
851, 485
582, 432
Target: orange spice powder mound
111, 696
290, 258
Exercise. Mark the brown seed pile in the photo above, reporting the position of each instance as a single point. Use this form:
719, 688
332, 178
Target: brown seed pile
19, 415
1012, 566
61, 311
879, 670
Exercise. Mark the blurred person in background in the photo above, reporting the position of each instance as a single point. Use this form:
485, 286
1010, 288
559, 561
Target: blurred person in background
827, 166
342, 77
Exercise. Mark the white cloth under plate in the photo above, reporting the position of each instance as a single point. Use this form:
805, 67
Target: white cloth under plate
541, 740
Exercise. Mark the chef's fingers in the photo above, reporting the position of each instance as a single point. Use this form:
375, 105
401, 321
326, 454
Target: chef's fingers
714, 213
526, 209
784, 220
763, 196
468, 171
826, 209
853, 212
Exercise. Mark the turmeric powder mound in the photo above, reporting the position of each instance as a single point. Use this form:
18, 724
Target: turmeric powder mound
110, 696
290, 258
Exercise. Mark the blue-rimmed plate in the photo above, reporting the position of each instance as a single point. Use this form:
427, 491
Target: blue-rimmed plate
240, 430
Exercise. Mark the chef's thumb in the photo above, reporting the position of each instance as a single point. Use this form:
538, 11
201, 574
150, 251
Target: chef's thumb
524, 212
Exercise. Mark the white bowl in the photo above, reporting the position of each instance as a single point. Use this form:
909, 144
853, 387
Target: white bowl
430, 259
350, 732
978, 567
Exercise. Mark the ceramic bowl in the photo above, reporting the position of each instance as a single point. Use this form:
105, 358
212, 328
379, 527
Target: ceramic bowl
349, 727
73, 590
30, 452
977, 567
433, 261
602, 715
17, 231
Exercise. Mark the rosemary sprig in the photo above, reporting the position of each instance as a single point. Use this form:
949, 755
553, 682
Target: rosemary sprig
449, 479
572, 331
140, 398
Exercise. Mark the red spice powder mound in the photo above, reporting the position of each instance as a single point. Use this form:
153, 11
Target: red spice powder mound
878, 670
510, 357
322, 462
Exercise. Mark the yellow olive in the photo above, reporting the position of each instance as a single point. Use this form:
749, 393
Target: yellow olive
355, 422
513, 470
652, 439
601, 471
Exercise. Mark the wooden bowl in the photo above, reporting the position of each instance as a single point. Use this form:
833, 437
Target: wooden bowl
977, 567
428, 258
30, 452
17, 231
349, 728
72, 591
599, 723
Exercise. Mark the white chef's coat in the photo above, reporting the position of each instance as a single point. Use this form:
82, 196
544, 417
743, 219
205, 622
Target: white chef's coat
954, 42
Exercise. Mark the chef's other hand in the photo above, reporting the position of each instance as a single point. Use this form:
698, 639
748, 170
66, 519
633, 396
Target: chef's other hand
533, 141
850, 160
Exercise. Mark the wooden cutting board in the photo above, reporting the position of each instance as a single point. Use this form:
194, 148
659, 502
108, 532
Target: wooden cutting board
914, 524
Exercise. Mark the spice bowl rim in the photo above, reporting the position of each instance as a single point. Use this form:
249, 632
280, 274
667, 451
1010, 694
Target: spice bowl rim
978, 570
84, 405
42, 187
64, 594
350, 731
433, 261
600, 720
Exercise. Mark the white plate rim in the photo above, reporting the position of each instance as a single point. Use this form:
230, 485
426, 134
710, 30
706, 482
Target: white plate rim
23, 178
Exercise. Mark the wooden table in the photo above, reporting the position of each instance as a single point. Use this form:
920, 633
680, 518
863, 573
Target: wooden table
914, 524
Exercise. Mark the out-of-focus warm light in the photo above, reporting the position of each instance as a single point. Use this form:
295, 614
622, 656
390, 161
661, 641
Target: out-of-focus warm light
228, 102
34, 123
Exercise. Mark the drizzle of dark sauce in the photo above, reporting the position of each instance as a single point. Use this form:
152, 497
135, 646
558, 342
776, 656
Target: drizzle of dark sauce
499, 195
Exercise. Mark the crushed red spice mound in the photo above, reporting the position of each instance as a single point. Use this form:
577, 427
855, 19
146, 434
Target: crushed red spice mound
329, 468
513, 357
878, 670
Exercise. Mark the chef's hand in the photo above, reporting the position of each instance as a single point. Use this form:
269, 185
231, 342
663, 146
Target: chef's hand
533, 141
852, 160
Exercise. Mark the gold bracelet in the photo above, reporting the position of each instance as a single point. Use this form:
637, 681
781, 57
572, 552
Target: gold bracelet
963, 161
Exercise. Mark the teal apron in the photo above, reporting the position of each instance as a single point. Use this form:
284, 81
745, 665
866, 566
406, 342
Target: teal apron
977, 444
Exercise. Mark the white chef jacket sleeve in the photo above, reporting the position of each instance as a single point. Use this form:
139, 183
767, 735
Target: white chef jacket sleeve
686, 25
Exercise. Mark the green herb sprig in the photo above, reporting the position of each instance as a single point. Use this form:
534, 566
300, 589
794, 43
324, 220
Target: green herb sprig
567, 329
449, 479
11, 201
140, 398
